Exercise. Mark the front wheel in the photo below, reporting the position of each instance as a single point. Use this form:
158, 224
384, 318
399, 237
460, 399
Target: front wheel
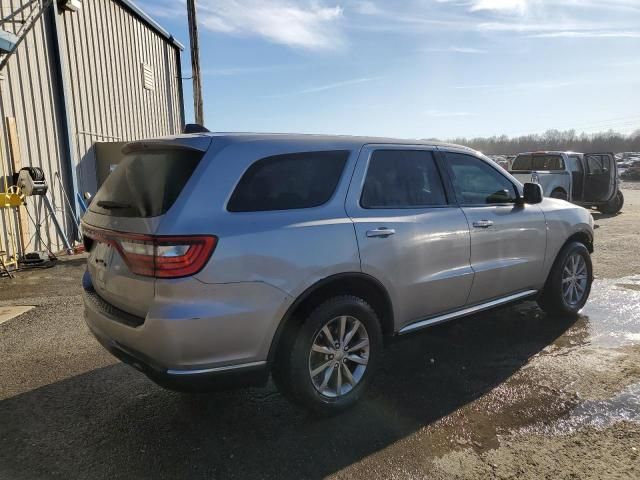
569, 282
327, 365
614, 205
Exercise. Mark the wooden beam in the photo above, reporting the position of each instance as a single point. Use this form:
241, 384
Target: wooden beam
16, 164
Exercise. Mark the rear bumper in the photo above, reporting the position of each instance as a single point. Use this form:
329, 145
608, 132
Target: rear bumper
214, 337
214, 379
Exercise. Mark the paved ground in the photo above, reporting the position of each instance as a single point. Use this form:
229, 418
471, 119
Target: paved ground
511, 394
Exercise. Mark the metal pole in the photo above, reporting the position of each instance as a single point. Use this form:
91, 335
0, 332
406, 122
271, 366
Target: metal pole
198, 108
52, 214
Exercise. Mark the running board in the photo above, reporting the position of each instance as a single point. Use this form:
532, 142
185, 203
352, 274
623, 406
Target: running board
466, 311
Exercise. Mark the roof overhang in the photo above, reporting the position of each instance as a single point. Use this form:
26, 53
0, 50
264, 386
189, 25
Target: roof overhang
151, 22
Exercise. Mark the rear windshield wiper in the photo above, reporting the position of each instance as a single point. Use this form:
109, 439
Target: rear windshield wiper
111, 205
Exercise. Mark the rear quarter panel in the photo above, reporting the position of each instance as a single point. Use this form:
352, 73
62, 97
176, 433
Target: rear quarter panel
289, 249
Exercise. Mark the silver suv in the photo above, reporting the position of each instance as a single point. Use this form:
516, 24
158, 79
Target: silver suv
217, 259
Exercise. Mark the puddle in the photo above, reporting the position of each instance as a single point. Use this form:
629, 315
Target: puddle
600, 414
9, 312
613, 312
609, 328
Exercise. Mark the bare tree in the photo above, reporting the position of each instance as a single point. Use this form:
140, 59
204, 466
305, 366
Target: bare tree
568, 140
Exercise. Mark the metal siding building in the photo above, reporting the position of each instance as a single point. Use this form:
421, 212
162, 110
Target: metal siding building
105, 72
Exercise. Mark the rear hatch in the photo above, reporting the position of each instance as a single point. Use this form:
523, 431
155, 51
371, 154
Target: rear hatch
125, 255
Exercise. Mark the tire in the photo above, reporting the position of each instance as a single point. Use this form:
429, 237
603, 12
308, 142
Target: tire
295, 361
614, 205
553, 299
560, 194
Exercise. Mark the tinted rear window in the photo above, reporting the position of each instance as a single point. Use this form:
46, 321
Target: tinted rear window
538, 162
522, 162
290, 181
146, 183
402, 179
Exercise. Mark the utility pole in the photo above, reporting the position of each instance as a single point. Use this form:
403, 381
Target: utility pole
195, 62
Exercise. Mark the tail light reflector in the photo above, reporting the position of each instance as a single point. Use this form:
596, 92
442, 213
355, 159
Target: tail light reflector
156, 255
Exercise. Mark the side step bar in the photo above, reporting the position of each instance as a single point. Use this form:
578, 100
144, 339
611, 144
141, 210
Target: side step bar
464, 312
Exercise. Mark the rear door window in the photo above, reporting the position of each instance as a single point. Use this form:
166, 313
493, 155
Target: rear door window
289, 181
402, 179
146, 183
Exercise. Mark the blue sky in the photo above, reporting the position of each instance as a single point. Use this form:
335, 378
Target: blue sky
415, 68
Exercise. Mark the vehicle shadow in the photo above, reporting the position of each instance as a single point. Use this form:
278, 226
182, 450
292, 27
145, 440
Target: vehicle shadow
113, 423
601, 216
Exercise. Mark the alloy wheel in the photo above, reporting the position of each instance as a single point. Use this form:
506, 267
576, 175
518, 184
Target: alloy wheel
574, 279
339, 356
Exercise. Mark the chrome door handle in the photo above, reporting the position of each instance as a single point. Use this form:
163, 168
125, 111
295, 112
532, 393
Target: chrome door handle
482, 224
382, 232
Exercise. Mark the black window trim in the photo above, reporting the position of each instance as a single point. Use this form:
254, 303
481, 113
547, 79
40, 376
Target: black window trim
342, 178
445, 152
420, 148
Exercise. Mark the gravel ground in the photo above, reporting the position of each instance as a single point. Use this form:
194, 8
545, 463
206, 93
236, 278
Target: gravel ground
506, 394
617, 238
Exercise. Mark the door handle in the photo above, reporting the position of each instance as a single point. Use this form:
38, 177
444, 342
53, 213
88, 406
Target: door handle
482, 224
381, 232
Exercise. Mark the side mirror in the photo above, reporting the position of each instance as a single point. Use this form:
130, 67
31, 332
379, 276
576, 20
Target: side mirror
532, 193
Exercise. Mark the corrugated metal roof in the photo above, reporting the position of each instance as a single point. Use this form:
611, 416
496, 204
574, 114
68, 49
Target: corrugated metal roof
151, 22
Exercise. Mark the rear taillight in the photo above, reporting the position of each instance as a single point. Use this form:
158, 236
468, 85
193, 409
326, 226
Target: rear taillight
159, 256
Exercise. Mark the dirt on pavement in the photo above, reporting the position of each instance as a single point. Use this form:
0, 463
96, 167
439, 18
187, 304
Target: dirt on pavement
506, 394
618, 238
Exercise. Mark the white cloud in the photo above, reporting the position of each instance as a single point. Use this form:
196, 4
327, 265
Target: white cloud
367, 7
524, 85
517, 6
309, 25
588, 34
439, 113
233, 71
469, 50
329, 86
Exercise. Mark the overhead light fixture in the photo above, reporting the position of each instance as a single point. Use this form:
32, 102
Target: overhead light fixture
71, 5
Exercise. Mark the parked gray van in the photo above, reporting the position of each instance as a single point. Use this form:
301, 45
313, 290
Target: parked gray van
219, 259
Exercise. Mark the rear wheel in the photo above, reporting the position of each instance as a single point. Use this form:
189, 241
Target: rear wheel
614, 205
328, 363
569, 283
559, 193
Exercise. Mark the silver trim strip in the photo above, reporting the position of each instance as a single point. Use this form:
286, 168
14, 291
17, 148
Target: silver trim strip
216, 369
466, 311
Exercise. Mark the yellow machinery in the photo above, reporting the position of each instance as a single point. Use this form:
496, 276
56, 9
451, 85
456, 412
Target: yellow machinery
12, 197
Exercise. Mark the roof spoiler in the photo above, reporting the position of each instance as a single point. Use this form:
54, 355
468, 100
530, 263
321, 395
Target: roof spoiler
195, 128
